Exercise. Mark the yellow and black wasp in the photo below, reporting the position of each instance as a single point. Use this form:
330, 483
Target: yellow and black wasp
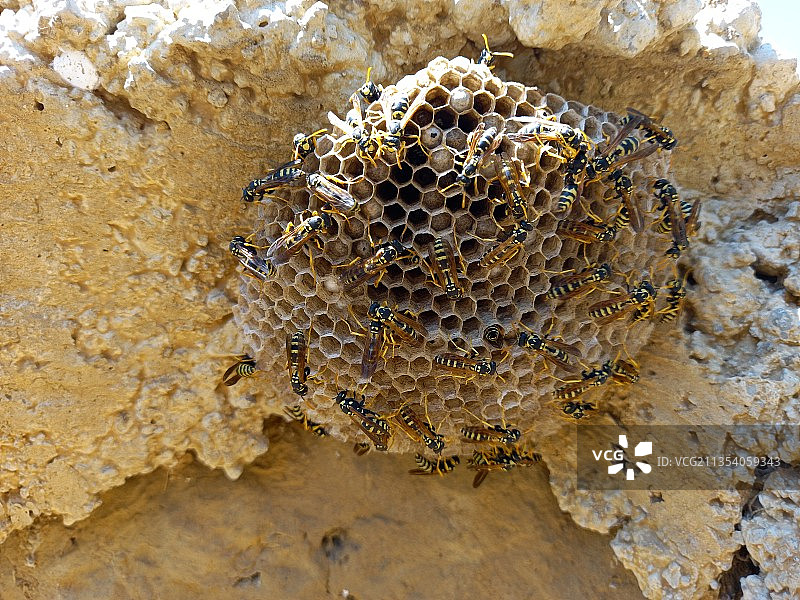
396, 116
245, 366
296, 413
586, 232
574, 177
499, 458
442, 265
583, 281
371, 423
481, 143
281, 177
642, 297
383, 254
495, 334
487, 57
336, 198
540, 129
440, 466
466, 367
590, 378
297, 350
495, 434
624, 371
247, 253
675, 297
355, 129
370, 91
659, 134
557, 352
577, 410
623, 188
680, 217
509, 247
402, 325
295, 236
374, 348
303, 144
511, 180
419, 430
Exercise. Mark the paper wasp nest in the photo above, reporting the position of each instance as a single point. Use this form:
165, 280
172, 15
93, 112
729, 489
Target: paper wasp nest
405, 203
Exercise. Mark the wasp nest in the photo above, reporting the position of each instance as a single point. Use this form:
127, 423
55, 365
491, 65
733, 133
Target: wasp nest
411, 202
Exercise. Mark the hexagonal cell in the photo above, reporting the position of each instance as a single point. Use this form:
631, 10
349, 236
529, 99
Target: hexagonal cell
483, 103
352, 167
432, 136
417, 155
395, 213
555, 103
386, 191
515, 90
424, 177
494, 120
441, 221
419, 218
524, 109
445, 118
410, 195
423, 116
466, 308
451, 323
437, 96
464, 224
450, 79
577, 107
472, 82
571, 118
479, 208
330, 164
456, 139
469, 121
461, 99
592, 128
401, 175
504, 106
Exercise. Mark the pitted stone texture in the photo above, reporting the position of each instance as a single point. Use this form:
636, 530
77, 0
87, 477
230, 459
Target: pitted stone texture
415, 202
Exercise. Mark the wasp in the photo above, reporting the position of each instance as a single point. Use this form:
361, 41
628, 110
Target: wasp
419, 430
499, 458
296, 413
495, 334
510, 177
370, 91
480, 143
508, 248
440, 465
337, 199
283, 176
297, 350
586, 232
373, 348
487, 57
254, 266
396, 116
587, 279
355, 129
460, 366
539, 129
623, 371
479, 434
402, 324
589, 378
383, 255
442, 265
641, 297
577, 410
573, 179
677, 293
372, 424
555, 351
245, 366
659, 134
623, 188
304, 145
295, 236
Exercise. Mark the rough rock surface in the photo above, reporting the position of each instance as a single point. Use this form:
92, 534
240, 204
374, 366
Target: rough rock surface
131, 129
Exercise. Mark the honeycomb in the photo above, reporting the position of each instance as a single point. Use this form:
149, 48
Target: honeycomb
406, 202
